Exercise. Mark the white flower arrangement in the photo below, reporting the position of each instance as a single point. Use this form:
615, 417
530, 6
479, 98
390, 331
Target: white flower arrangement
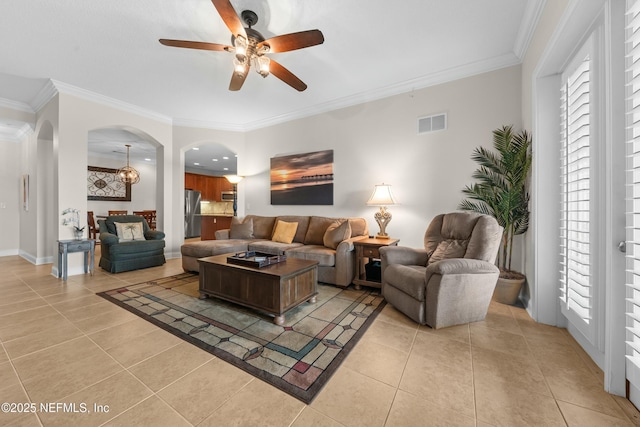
74, 219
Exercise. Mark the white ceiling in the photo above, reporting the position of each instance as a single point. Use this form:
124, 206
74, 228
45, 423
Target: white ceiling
372, 49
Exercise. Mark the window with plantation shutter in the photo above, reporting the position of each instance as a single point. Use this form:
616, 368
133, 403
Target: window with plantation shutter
576, 276
633, 190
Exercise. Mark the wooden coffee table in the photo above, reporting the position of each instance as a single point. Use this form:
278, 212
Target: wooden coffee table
273, 289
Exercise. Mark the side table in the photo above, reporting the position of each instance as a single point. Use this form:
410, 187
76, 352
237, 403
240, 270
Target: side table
86, 246
368, 249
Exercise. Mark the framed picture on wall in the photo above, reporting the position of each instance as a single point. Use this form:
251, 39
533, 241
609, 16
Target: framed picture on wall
103, 184
302, 179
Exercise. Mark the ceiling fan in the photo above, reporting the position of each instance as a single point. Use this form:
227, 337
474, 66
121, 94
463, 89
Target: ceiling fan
250, 47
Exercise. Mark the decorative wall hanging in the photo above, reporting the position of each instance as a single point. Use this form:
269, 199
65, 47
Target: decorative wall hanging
302, 179
104, 184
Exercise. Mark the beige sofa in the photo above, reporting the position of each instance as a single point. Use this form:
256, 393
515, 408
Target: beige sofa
314, 239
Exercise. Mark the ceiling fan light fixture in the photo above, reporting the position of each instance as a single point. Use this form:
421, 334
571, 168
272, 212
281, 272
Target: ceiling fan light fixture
239, 67
262, 65
240, 43
249, 46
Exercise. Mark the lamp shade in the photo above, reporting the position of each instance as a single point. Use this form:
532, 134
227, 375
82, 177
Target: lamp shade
382, 196
233, 179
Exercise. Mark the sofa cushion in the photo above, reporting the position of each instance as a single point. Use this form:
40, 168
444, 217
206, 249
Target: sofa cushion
336, 233
303, 225
129, 231
270, 247
207, 248
325, 256
284, 232
317, 227
241, 230
262, 226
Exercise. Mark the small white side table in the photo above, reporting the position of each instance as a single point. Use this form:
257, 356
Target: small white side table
86, 246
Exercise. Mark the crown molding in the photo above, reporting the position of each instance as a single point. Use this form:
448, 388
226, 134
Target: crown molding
23, 132
53, 87
109, 102
14, 105
440, 77
205, 124
528, 25
46, 94
12, 134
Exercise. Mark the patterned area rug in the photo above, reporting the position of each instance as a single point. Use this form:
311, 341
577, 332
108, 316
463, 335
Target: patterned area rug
298, 357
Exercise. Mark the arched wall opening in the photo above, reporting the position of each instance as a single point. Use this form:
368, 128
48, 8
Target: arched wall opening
106, 149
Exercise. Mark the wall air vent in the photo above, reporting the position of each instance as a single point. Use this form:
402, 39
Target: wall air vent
432, 123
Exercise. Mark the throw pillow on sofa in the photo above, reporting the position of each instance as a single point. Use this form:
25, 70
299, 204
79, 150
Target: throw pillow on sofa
129, 231
336, 233
285, 232
241, 230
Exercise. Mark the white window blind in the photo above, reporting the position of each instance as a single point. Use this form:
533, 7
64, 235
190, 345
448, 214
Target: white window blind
575, 237
633, 189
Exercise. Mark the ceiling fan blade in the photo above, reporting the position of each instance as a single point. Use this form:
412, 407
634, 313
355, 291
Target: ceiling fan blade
194, 45
293, 41
237, 80
230, 17
286, 76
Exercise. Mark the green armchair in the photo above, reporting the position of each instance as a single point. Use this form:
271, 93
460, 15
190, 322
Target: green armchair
118, 254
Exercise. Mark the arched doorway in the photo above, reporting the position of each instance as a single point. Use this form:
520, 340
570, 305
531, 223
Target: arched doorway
107, 150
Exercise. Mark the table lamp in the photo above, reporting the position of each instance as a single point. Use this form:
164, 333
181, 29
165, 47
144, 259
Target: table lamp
382, 197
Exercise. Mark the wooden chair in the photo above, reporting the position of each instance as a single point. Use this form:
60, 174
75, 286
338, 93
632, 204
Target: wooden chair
149, 216
91, 223
111, 213
152, 214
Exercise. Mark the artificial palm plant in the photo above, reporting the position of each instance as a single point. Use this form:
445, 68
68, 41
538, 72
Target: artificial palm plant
501, 188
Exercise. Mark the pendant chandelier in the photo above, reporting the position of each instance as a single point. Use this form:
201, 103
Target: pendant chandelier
127, 174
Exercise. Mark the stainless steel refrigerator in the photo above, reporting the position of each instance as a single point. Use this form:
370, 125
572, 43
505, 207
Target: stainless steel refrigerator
192, 218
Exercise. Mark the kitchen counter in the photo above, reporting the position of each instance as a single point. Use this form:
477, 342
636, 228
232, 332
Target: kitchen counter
212, 223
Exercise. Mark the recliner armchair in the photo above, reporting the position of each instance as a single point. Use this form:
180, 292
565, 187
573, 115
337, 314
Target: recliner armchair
450, 281
117, 255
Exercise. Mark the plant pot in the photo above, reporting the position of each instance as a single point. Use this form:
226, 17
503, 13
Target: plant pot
508, 290
78, 234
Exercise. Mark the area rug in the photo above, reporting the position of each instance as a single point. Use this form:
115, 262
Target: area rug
298, 357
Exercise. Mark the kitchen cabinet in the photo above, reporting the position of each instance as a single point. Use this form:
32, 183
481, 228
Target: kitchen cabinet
210, 187
211, 224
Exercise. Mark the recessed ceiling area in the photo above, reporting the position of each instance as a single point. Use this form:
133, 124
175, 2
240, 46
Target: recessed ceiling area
207, 159
111, 143
211, 159
372, 49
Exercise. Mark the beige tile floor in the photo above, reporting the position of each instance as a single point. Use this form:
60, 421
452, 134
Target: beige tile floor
63, 346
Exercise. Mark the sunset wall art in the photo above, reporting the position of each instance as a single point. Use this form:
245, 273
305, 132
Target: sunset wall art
302, 179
